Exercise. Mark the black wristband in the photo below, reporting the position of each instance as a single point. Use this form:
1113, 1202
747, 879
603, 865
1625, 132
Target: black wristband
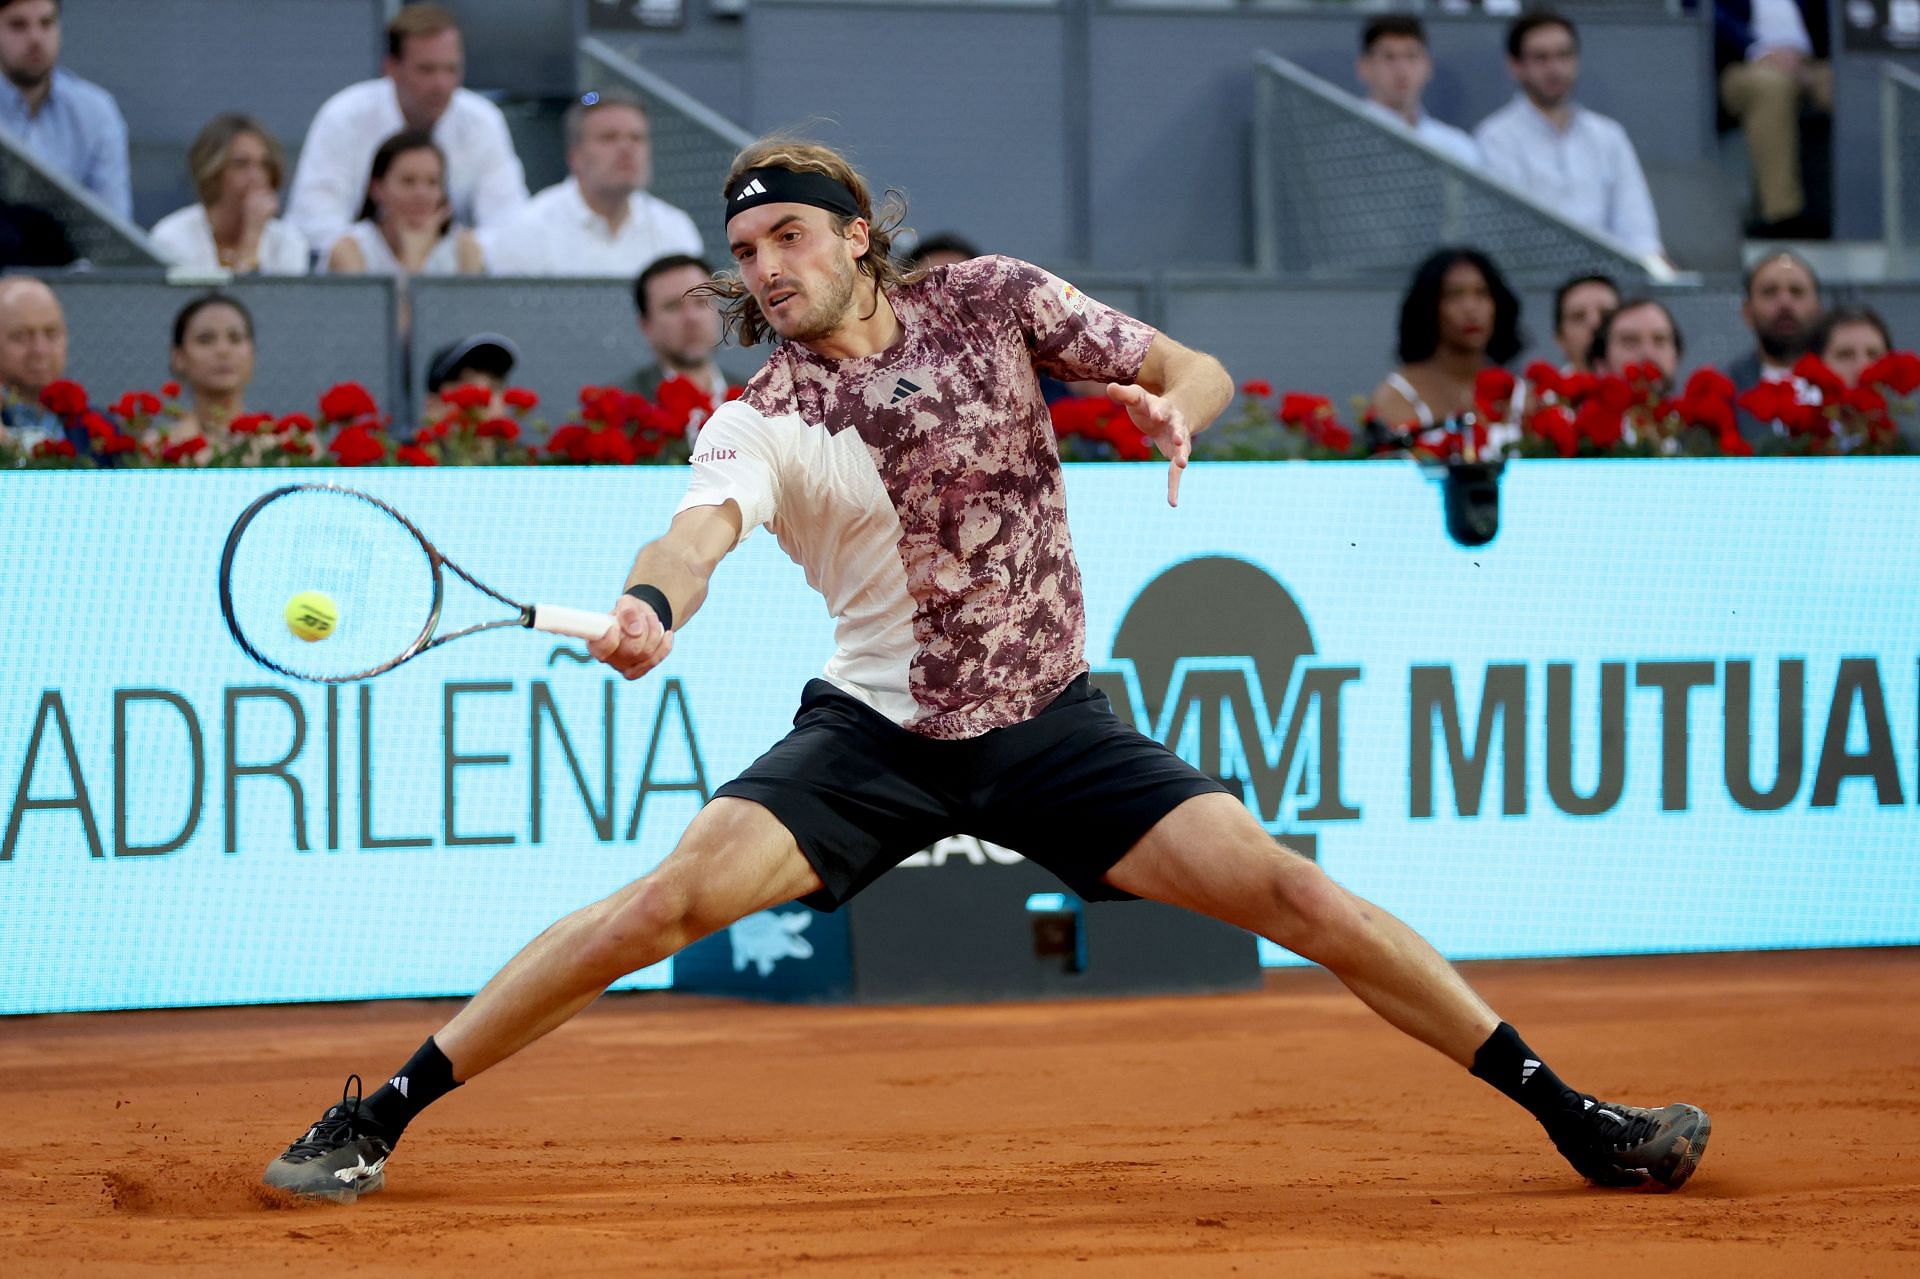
656, 599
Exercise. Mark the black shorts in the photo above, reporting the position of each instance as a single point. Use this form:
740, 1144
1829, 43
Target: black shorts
1071, 789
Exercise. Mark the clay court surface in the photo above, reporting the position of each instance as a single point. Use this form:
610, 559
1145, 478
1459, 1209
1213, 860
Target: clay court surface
1281, 1132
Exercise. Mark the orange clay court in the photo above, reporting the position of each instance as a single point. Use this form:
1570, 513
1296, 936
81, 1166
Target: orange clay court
1287, 1131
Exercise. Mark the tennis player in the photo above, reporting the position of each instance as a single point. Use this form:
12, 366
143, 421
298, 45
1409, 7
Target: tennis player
897, 446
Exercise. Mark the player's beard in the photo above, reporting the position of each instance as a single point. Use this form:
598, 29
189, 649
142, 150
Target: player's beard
831, 311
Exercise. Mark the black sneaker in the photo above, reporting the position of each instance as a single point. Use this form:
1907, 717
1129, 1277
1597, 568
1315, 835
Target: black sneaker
1627, 1146
340, 1158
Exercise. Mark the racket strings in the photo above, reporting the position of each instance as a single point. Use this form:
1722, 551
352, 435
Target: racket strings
371, 564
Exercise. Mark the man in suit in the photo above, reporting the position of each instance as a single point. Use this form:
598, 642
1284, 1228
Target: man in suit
1781, 304
682, 329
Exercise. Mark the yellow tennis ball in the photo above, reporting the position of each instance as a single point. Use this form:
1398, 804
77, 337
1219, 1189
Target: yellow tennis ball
312, 615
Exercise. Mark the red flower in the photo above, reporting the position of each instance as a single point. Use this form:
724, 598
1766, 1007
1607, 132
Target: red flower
1812, 369
55, 448
570, 441
735, 392
680, 399
1898, 371
1077, 415
1770, 401
252, 424
1494, 385
1733, 444
609, 445
414, 455
1709, 383
1329, 434
65, 398
498, 428
296, 448
519, 397
1578, 386
1706, 410
292, 422
1544, 378
113, 442
346, 401
1259, 388
468, 397
1616, 394
171, 390
1866, 401
1599, 422
1295, 408
606, 405
1553, 425
356, 446
184, 449
98, 427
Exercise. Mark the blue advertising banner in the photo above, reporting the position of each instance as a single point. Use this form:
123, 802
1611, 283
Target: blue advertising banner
1673, 706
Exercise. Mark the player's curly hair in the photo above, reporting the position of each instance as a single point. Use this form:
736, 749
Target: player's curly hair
739, 312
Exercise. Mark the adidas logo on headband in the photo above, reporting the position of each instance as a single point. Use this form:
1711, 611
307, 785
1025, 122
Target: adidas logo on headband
752, 188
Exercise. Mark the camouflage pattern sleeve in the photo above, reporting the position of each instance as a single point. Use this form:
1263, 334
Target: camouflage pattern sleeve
1072, 337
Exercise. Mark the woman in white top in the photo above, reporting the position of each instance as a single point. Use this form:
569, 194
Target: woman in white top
1459, 318
237, 167
213, 355
405, 226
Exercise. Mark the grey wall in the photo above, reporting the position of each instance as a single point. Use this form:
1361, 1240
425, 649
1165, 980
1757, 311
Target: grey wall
960, 107
174, 64
1172, 101
309, 334
1856, 137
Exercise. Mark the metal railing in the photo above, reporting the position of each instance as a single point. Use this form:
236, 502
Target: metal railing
693, 146
99, 235
1899, 166
1342, 194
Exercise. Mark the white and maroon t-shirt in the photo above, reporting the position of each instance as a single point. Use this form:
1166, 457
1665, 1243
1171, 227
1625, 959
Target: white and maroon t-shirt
920, 489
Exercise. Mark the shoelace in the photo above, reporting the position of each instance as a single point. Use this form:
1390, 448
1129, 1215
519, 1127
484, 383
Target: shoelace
337, 1127
1635, 1126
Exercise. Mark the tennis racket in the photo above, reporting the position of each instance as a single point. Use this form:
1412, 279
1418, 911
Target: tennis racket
384, 579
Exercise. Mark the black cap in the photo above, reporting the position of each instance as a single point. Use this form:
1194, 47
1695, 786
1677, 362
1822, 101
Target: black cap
486, 352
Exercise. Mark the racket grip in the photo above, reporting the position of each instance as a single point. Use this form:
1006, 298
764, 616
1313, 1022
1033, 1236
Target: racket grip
557, 619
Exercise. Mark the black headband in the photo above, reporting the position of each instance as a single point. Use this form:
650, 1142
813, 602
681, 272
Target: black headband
756, 187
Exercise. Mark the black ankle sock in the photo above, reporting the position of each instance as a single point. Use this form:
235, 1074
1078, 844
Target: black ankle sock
1516, 1070
425, 1079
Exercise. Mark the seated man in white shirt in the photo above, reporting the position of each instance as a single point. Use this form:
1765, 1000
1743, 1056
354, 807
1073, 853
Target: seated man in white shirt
600, 221
1575, 161
1395, 67
420, 91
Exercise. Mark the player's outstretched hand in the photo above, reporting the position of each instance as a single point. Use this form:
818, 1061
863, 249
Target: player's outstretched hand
1160, 422
637, 643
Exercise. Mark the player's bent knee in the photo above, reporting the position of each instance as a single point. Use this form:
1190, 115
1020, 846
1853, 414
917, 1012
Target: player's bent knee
1311, 915
642, 926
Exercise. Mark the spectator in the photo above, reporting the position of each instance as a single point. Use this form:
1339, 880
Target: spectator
1849, 338
405, 227
71, 125
237, 167
1577, 307
33, 355
1638, 331
1395, 67
943, 249
682, 328
484, 359
212, 359
1782, 302
1768, 69
600, 221
420, 92
1458, 319
1573, 160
